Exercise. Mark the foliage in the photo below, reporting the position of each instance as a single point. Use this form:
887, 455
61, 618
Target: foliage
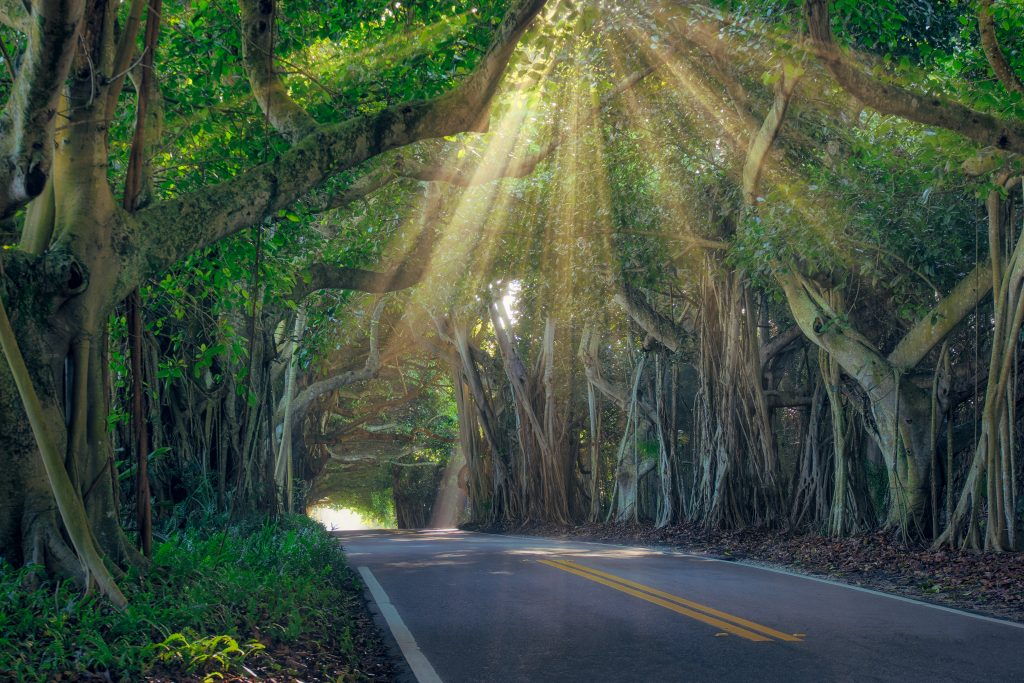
211, 654
212, 598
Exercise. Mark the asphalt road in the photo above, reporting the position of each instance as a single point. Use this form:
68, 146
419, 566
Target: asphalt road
509, 608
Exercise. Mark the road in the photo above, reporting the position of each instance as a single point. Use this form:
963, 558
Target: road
507, 608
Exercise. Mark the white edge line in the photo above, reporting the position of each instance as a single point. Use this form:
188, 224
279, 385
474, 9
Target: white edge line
862, 589
831, 582
421, 667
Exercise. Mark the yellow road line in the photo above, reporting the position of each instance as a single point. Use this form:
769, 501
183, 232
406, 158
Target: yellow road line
689, 603
708, 612
718, 623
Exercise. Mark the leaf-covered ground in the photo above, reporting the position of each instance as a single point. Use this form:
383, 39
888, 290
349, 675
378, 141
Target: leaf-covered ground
320, 657
310, 658
991, 583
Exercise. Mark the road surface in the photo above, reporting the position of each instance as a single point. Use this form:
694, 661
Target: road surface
476, 607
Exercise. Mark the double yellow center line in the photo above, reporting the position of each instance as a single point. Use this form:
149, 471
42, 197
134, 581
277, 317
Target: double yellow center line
739, 626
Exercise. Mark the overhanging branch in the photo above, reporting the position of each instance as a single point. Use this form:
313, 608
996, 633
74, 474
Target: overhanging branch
779, 343
409, 272
440, 167
258, 23
670, 334
886, 98
434, 160
941, 320
996, 57
171, 230
301, 403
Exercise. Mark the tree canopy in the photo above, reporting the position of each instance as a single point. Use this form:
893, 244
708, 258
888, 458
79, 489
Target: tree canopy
726, 263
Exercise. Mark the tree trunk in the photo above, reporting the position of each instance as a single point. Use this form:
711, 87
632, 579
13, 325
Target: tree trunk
899, 414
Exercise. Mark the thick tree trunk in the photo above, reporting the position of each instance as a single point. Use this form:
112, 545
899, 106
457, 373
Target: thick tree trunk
630, 466
494, 470
479, 472
450, 504
67, 380
61, 299
899, 413
30, 531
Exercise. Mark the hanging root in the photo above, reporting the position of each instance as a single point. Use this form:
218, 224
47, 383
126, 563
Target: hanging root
737, 481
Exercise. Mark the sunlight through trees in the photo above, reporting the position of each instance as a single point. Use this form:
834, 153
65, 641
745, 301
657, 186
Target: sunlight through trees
724, 263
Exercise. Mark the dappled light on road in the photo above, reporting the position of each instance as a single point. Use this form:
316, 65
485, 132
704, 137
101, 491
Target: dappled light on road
611, 553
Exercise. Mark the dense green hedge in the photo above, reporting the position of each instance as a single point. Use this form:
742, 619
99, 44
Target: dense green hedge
211, 599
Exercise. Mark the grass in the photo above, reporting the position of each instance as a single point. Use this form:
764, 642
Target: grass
212, 601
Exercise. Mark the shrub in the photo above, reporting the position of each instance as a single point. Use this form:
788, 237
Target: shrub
210, 600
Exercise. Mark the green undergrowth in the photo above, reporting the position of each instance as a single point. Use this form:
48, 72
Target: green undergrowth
212, 601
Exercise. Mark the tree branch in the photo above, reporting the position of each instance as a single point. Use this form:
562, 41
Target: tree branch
823, 326
761, 144
990, 43
282, 112
173, 229
786, 399
14, 15
440, 168
301, 403
329, 276
620, 395
941, 320
406, 274
665, 330
126, 52
779, 343
381, 175
886, 98
432, 160
357, 421
26, 123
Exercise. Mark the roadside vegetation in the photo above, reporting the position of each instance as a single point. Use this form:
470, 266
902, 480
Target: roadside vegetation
251, 600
